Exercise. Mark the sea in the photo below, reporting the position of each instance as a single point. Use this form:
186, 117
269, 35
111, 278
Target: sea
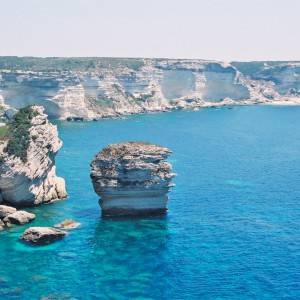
232, 230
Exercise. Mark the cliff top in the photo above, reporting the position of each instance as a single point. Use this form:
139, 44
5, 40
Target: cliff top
58, 64
98, 64
126, 149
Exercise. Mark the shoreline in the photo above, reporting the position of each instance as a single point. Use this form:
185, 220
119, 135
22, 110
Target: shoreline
192, 108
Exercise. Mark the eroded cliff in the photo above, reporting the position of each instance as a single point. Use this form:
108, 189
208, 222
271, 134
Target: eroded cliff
153, 85
27, 160
132, 178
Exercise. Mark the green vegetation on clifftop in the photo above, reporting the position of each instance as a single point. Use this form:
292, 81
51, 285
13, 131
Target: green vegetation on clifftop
18, 132
52, 64
3, 131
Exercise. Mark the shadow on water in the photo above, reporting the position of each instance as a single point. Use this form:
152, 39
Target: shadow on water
129, 256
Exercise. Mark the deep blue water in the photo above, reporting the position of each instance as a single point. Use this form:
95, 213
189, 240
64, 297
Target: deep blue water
232, 230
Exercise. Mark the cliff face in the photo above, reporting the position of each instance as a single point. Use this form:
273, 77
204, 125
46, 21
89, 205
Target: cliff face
285, 79
27, 164
3, 109
157, 85
132, 178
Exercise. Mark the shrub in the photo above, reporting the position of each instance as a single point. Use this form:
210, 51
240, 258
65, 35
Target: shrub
103, 101
3, 131
18, 132
145, 97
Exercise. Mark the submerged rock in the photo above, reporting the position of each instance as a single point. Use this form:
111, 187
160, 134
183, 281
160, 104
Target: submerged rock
20, 217
132, 178
68, 224
27, 164
42, 235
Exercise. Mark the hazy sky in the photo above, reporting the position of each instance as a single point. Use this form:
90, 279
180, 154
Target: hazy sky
209, 29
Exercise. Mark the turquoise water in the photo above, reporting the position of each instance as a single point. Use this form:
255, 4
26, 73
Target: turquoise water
232, 231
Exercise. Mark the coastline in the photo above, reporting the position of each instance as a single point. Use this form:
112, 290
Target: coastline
154, 86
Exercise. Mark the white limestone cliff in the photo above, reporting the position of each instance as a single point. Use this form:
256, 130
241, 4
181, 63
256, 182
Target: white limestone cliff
31, 181
159, 85
132, 178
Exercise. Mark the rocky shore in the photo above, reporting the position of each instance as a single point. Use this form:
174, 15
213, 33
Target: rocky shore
132, 178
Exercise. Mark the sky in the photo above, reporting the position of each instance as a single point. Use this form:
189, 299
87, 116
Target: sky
226, 30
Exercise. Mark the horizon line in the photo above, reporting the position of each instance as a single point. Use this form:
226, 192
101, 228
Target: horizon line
138, 57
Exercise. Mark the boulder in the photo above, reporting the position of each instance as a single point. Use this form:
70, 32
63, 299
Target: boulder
20, 217
132, 178
6, 210
42, 235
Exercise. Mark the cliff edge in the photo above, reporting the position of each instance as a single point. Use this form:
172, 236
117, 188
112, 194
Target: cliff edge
116, 87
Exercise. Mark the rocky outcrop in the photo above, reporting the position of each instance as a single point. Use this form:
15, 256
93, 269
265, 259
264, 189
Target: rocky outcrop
6, 210
72, 104
27, 165
9, 215
132, 178
20, 217
42, 235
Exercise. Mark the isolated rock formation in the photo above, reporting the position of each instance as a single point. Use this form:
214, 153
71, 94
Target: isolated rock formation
132, 178
27, 160
42, 235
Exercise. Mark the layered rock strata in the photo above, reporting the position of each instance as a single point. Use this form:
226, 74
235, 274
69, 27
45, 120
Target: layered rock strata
132, 178
28, 171
156, 85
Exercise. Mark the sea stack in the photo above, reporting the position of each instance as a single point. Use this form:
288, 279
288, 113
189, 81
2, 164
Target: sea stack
27, 160
132, 178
